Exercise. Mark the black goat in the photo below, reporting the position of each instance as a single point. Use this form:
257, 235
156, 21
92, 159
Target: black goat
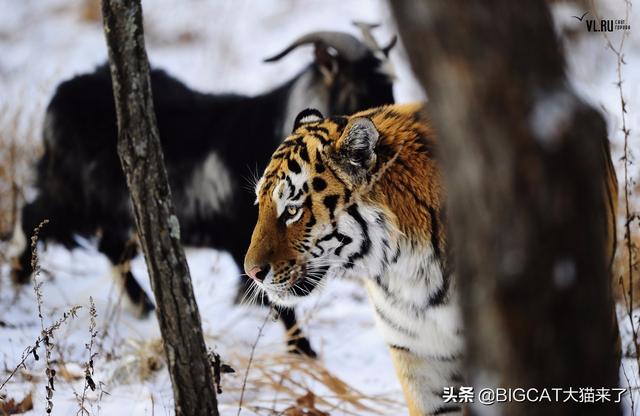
210, 142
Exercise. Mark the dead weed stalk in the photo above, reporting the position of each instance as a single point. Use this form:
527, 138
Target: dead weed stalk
88, 367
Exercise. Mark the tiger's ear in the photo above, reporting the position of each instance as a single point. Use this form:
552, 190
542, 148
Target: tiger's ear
356, 148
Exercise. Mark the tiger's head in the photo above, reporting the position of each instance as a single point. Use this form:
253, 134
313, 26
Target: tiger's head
313, 221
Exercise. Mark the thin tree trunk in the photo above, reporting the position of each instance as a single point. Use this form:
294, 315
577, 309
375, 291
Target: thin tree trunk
523, 165
143, 164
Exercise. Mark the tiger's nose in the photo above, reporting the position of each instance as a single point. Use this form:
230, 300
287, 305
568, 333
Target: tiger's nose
258, 273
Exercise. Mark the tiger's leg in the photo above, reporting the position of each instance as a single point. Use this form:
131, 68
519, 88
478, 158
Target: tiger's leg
297, 343
423, 380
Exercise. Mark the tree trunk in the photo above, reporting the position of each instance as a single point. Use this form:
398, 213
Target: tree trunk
143, 164
524, 168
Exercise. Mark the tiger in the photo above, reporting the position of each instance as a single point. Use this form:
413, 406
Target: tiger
361, 197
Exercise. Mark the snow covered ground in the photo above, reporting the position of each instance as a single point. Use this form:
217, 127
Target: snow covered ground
218, 46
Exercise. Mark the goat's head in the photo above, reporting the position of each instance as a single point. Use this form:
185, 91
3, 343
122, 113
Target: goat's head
348, 75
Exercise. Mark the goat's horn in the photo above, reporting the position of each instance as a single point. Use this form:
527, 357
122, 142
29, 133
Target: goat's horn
391, 44
347, 46
364, 25
370, 40
366, 29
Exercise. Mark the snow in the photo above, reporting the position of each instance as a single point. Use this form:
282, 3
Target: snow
125, 341
219, 47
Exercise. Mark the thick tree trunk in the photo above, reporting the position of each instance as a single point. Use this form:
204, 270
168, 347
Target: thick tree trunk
523, 166
143, 164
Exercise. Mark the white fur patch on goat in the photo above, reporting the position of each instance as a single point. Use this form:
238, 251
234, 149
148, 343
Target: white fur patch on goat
210, 187
18, 240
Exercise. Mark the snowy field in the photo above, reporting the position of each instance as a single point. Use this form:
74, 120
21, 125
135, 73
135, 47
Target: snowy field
215, 47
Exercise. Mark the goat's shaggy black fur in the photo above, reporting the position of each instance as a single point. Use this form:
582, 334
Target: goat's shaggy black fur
211, 145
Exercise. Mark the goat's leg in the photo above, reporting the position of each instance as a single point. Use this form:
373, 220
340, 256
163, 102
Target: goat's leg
121, 250
20, 256
20, 249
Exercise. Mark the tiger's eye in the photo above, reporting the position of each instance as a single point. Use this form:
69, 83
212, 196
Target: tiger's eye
291, 210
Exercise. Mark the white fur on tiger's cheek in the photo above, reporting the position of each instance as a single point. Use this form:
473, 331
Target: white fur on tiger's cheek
357, 244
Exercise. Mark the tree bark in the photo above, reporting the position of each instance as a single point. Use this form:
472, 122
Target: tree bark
158, 230
523, 161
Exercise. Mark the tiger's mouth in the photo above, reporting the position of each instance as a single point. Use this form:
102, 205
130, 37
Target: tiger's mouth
296, 274
299, 282
304, 282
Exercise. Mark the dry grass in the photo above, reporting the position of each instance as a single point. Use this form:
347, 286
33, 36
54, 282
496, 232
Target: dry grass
14, 407
46, 338
141, 362
292, 380
89, 369
277, 383
19, 148
269, 380
627, 255
621, 275
90, 11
